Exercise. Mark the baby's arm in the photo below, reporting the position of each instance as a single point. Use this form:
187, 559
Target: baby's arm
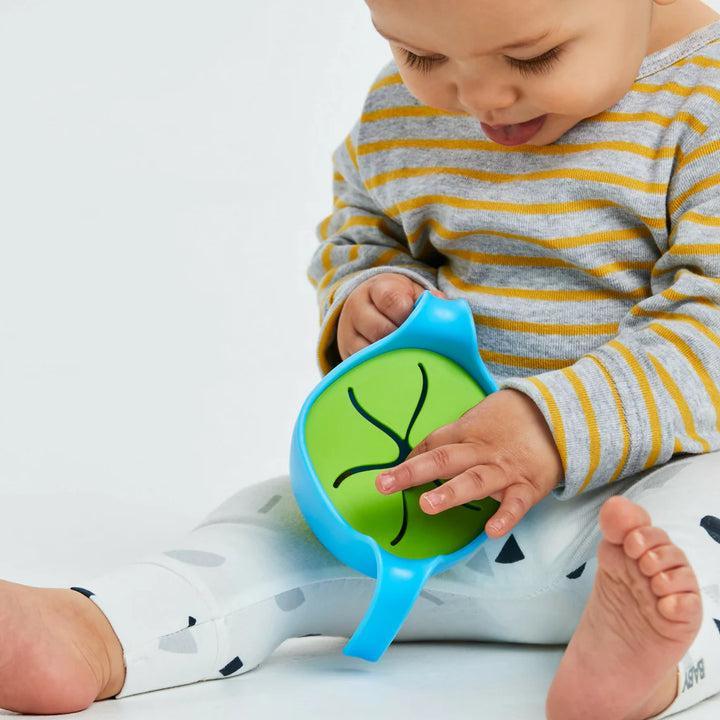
366, 261
501, 448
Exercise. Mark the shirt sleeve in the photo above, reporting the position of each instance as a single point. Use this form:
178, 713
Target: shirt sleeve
357, 241
652, 391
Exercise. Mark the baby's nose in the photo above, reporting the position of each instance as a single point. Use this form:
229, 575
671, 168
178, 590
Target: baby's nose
482, 95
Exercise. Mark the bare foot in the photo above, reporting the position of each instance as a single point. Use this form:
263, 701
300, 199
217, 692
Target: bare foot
58, 653
641, 617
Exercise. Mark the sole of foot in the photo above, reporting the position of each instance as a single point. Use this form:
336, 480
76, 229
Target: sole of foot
642, 616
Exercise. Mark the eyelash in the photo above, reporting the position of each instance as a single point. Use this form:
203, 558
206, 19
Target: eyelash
537, 65
533, 66
421, 63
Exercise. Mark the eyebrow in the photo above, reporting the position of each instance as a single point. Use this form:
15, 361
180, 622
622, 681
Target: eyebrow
522, 43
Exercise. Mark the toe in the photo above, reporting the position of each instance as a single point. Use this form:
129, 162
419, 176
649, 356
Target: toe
678, 580
682, 608
619, 516
661, 558
644, 538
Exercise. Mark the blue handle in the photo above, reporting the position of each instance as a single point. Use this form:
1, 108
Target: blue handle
399, 582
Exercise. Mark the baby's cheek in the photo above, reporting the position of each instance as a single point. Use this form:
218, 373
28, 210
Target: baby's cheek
431, 92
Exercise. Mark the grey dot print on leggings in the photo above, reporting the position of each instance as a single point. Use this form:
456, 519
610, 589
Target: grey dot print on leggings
511, 552
479, 563
270, 504
290, 600
431, 598
180, 642
197, 557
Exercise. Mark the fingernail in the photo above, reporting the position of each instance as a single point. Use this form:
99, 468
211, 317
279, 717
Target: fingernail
384, 482
435, 500
496, 526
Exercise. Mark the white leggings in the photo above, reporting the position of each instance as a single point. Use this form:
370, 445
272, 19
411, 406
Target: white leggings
252, 575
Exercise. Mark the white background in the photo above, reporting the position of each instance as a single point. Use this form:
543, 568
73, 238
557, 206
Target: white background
163, 166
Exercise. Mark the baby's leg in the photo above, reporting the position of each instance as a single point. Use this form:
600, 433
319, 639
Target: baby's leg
644, 617
214, 606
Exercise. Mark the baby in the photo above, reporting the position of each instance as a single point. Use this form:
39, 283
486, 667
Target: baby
554, 163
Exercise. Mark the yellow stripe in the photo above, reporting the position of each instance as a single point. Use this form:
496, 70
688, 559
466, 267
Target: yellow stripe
548, 295
351, 151
694, 217
516, 361
650, 405
678, 317
595, 176
679, 90
337, 177
486, 146
386, 81
555, 418
326, 260
324, 226
683, 271
683, 408
694, 361
707, 249
403, 112
701, 61
621, 415
656, 118
675, 296
705, 184
545, 328
364, 221
590, 421
702, 152
533, 261
560, 243
312, 280
516, 208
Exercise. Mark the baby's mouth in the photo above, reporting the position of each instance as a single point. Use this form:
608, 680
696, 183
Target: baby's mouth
517, 134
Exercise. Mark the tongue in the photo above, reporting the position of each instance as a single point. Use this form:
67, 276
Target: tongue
514, 134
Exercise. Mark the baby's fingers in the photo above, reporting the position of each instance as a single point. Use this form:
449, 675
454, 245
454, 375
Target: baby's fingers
443, 462
475, 483
516, 501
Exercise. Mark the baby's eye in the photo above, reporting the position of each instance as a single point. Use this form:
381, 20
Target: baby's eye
421, 63
538, 65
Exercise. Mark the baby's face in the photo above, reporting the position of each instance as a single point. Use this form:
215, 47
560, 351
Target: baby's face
528, 70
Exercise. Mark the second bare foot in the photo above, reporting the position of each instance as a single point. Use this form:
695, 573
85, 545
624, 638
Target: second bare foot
58, 652
642, 615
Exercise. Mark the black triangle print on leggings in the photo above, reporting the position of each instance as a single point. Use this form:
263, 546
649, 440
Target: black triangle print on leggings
510, 553
711, 525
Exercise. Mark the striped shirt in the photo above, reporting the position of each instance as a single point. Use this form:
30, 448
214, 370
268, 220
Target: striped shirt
591, 265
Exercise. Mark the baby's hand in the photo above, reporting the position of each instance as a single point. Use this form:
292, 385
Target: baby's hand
374, 309
501, 448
